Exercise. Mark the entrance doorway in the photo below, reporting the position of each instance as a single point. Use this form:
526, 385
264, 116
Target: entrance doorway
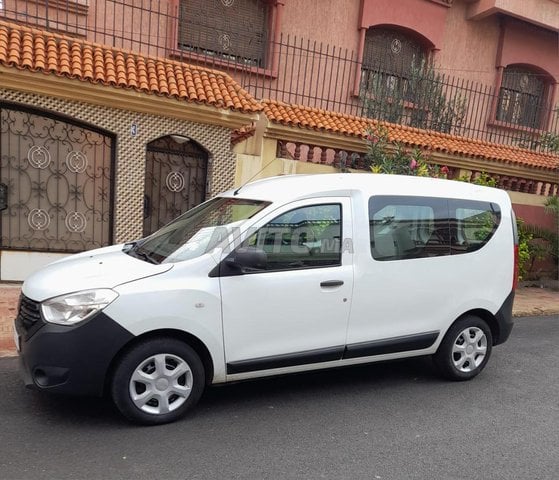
176, 174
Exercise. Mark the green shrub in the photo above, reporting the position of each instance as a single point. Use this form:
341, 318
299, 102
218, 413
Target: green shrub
484, 179
391, 157
524, 249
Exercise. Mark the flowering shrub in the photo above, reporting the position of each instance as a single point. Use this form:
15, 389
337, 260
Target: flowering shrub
386, 156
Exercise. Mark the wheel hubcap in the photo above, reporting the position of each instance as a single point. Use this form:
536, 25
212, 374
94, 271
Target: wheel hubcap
161, 384
469, 350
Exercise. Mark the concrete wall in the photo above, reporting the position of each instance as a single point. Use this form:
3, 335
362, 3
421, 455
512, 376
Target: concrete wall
469, 48
334, 22
252, 167
530, 208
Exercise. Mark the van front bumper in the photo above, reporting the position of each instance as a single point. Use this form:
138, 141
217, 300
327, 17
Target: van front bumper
70, 359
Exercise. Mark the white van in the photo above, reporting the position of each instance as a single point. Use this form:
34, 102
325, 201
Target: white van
282, 275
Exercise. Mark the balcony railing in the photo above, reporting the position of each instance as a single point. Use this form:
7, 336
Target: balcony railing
301, 71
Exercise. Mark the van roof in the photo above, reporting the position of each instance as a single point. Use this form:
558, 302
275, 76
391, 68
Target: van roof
294, 187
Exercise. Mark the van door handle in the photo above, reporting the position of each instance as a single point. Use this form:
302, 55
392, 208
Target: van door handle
332, 283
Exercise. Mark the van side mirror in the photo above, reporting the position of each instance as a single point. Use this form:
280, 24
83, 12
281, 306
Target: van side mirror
246, 259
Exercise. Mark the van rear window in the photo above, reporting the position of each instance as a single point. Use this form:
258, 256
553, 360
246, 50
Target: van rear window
406, 227
472, 224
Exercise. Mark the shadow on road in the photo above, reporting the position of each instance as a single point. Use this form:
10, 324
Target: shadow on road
303, 388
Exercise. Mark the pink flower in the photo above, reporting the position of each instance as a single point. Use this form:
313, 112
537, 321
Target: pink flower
413, 164
444, 170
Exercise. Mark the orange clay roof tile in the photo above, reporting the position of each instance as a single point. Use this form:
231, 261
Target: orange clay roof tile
242, 133
322, 120
36, 50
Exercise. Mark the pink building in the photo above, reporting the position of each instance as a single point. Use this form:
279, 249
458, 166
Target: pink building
493, 65
118, 115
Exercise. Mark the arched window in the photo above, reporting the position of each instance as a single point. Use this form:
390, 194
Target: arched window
231, 30
523, 97
390, 58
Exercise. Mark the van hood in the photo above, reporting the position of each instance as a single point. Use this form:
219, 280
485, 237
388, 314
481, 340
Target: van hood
102, 268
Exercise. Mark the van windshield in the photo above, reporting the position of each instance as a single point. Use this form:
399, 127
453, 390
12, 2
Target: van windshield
196, 232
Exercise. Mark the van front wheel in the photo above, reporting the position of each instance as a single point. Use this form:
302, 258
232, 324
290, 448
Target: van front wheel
157, 381
465, 349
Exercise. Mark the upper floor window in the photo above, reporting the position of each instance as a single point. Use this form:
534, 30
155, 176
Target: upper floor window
232, 30
522, 97
390, 58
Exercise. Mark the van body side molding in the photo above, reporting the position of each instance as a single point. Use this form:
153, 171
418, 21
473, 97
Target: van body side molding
391, 345
364, 349
287, 360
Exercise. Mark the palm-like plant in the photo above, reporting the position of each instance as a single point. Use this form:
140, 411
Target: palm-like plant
550, 247
551, 205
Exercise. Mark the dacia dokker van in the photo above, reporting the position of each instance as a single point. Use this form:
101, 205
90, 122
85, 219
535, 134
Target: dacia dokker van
282, 275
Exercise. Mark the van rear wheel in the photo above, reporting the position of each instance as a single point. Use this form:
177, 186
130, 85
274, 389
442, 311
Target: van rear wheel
157, 381
465, 349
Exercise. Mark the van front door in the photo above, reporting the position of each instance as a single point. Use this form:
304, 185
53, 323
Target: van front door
292, 307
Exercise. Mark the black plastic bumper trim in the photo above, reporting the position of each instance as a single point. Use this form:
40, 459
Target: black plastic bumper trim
504, 320
391, 345
286, 360
365, 349
72, 359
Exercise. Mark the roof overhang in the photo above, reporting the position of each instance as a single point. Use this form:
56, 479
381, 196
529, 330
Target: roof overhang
350, 143
125, 99
291, 133
536, 12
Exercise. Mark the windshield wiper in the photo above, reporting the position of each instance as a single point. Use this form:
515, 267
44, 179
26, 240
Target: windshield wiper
143, 255
129, 246
134, 249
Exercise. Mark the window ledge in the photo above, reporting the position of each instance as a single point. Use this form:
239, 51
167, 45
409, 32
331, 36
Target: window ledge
213, 62
406, 104
516, 127
444, 3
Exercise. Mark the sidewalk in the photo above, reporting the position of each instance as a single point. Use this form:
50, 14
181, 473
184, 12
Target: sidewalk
8, 305
528, 301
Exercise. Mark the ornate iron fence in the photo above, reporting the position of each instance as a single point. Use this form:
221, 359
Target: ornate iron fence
301, 71
57, 180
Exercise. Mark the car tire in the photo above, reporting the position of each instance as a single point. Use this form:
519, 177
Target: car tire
465, 349
157, 381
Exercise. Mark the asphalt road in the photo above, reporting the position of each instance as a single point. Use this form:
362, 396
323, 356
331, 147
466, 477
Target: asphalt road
383, 421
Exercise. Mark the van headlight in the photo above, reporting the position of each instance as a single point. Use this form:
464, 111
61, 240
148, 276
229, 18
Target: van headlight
77, 307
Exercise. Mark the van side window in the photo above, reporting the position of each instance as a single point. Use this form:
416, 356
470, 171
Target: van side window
408, 227
473, 224
301, 238
417, 227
